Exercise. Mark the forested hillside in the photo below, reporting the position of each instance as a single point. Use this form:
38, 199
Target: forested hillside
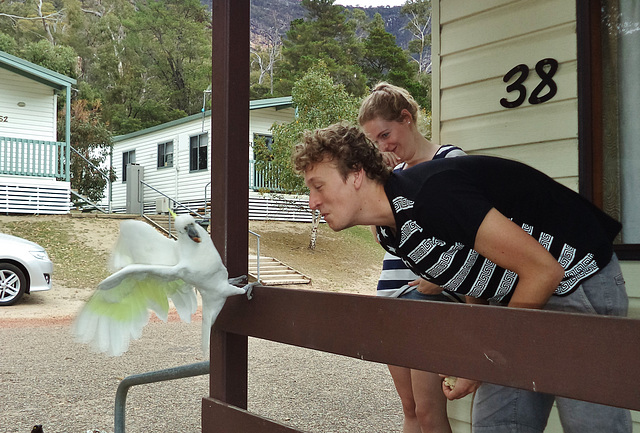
265, 12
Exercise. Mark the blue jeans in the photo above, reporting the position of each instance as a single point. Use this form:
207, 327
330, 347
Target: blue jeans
499, 409
419, 296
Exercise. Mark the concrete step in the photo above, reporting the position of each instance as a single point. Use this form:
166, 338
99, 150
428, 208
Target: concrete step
273, 272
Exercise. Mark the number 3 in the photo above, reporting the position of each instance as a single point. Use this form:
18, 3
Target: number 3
516, 86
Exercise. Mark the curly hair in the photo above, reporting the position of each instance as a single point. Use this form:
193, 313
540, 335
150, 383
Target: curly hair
344, 144
387, 102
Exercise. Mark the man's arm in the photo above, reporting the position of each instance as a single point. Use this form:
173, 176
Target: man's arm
505, 243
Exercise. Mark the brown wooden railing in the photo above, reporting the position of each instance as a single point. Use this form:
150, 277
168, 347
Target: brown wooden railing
592, 358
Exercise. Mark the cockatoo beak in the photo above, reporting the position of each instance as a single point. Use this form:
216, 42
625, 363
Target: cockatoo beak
193, 233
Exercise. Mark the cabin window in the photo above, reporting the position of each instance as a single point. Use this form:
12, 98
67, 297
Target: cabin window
619, 174
198, 151
128, 157
165, 154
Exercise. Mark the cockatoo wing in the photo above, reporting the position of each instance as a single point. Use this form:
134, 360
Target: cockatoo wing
112, 318
119, 309
184, 298
138, 242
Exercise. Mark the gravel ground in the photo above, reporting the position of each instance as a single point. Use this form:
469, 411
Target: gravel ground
46, 378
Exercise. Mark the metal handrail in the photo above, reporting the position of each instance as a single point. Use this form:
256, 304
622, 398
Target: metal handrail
205, 196
173, 200
95, 206
257, 254
181, 372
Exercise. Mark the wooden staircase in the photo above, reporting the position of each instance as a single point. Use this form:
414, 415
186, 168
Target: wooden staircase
275, 273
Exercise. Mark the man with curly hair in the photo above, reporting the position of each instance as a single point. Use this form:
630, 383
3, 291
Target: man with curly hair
488, 228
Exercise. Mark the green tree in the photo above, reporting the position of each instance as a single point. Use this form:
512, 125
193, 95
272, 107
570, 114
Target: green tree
30, 21
91, 139
173, 42
320, 102
325, 34
8, 44
383, 60
58, 58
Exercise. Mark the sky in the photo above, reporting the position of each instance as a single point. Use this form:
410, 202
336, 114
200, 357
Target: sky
366, 3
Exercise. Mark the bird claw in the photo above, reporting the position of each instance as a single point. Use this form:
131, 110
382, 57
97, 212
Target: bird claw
249, 289
238, 280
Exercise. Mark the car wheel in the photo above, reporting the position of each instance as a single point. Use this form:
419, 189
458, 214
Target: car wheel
12, 284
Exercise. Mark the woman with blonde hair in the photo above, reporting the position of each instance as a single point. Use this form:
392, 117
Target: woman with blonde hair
388, 116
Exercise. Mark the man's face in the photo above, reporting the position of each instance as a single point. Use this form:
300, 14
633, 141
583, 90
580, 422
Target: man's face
330, 194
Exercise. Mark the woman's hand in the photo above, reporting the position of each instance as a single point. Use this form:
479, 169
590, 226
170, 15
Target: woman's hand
461, 388
391, 159
426, 287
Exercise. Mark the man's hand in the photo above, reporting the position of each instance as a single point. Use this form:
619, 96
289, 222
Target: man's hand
461, 388
426, 287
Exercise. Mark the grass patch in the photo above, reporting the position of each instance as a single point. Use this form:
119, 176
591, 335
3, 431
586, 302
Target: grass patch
75, 264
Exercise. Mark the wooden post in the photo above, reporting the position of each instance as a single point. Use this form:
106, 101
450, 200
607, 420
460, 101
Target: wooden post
230, 181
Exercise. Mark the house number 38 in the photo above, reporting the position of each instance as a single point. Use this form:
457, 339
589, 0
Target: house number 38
546, 69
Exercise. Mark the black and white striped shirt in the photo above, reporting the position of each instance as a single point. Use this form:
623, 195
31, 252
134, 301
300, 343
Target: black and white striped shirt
439, 205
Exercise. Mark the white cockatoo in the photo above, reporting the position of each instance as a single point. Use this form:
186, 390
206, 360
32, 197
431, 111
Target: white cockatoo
149, 269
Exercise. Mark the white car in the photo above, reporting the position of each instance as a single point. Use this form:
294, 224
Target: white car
24, 268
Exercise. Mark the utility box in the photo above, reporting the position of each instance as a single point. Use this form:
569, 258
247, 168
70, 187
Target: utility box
135, 190
162, 205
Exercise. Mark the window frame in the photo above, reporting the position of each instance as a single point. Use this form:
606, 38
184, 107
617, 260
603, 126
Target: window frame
162, 157
590, 111
128, 154
198, 152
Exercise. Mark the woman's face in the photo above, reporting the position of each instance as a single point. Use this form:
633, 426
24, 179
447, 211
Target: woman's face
391, 136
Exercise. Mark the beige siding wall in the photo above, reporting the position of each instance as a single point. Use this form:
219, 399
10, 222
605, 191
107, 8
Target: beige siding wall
478, 42
37, 119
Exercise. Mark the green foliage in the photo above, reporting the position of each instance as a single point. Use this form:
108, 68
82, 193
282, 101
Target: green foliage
325, 34
172, 45
320, 102
382, 57
58, 58
8, 44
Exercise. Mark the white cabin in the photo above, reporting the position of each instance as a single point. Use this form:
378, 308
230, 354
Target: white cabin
175, 159
34, 162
